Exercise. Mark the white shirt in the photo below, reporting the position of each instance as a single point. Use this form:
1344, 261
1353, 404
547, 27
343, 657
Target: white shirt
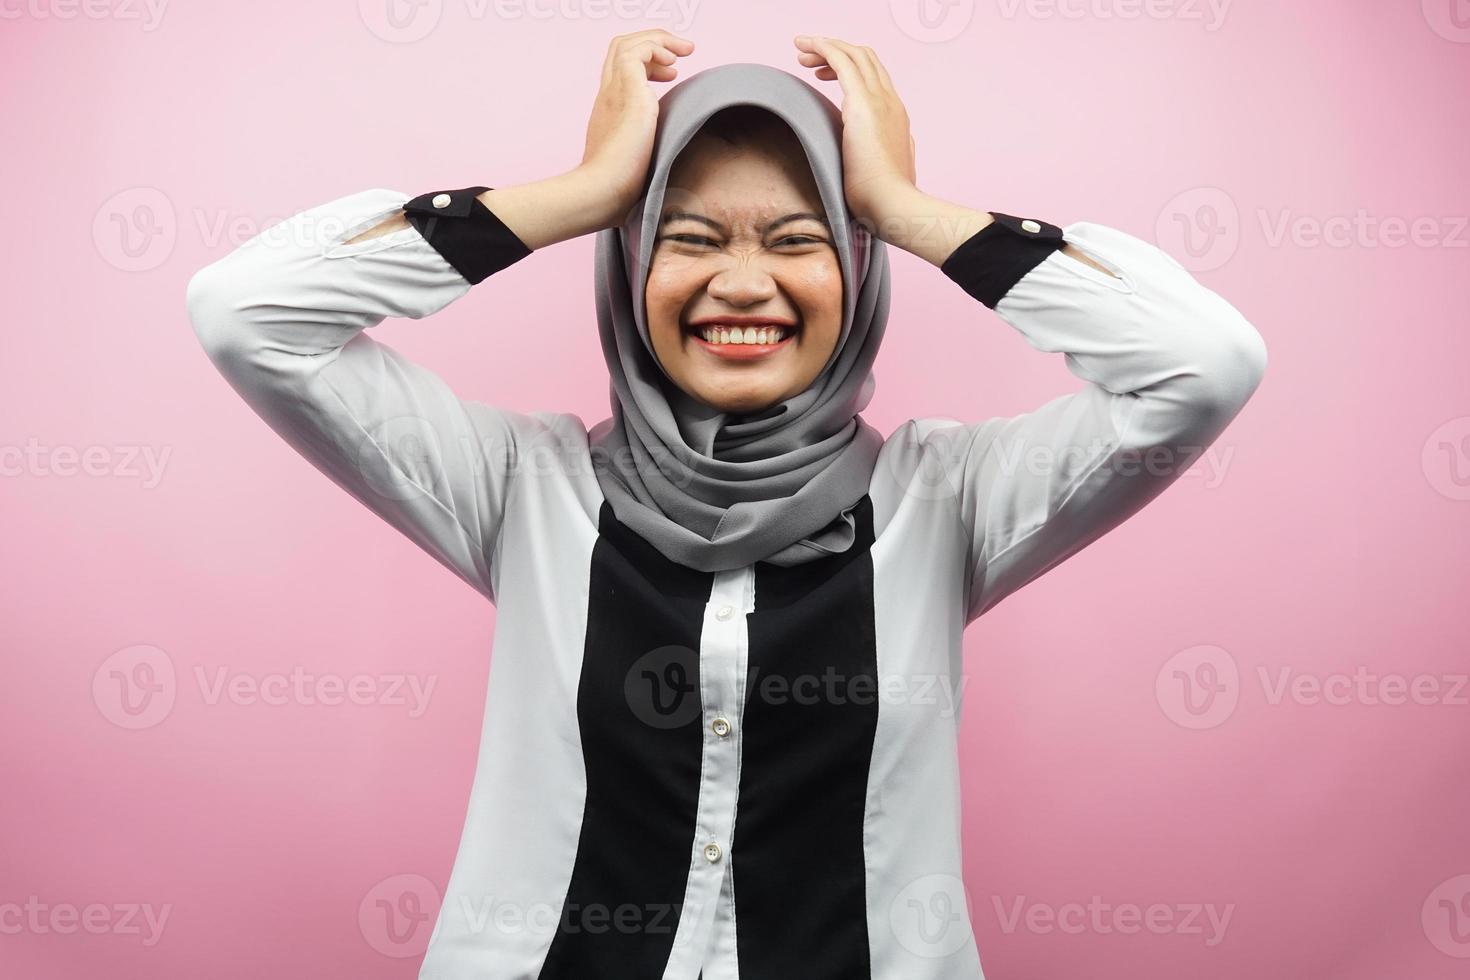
749, 773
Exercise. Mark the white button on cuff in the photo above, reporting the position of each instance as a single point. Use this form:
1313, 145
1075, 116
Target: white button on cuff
725, 612
440, 201
712, 853
721, 727
1031, 226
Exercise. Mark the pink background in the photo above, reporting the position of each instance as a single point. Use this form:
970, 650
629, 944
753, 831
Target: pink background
1325, 534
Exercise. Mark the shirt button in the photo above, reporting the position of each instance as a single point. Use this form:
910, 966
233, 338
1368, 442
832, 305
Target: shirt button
725, 612
440, 201
721, 727
1031, 226
712, 852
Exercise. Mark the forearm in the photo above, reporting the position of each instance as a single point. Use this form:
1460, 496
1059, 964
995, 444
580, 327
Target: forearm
932, 228
540, 213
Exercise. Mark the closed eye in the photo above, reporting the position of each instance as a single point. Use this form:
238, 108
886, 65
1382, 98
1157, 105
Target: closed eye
787, 240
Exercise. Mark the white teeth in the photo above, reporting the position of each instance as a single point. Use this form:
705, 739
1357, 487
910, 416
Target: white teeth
746, 335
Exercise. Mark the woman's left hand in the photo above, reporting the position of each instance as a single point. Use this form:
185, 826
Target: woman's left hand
877, 148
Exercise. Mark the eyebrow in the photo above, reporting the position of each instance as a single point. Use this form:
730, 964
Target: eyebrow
695, 216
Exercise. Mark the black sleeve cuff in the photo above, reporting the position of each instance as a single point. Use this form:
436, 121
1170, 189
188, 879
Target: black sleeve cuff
997, 256
469, 235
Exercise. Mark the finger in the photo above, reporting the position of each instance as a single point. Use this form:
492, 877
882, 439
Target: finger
649, 60
858, 56
881, 72
839, 66
679, 45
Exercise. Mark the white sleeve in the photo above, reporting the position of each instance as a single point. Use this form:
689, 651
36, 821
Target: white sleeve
282, 318
1168, 363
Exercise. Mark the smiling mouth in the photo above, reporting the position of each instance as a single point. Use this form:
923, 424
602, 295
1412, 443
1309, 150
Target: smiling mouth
742, 338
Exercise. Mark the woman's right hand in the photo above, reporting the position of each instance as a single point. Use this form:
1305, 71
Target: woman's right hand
625, 115
599, 192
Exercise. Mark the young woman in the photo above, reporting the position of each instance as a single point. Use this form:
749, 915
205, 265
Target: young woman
720, 732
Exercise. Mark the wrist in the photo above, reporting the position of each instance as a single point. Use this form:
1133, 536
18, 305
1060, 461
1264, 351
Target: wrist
544, 212
927, 226
605, 201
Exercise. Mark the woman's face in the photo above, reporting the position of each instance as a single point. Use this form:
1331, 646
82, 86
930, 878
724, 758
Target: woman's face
744, 290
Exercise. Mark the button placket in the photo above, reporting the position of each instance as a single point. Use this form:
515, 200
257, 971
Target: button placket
722, 659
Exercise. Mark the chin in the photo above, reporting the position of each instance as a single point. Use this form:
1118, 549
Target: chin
745, 403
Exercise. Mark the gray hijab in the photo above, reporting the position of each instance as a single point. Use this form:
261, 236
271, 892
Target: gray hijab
716, 491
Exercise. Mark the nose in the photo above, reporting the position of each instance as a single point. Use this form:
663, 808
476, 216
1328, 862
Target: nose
742, 284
